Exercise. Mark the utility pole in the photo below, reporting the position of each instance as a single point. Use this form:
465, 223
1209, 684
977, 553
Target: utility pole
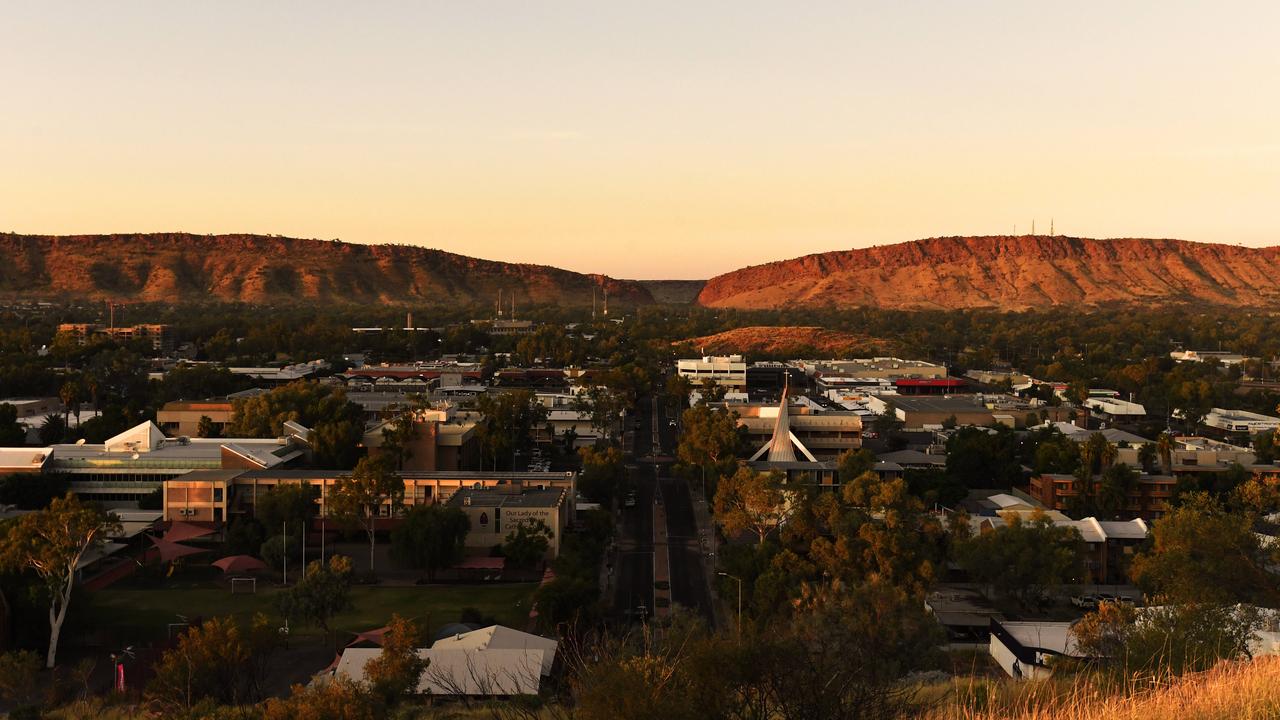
284, 550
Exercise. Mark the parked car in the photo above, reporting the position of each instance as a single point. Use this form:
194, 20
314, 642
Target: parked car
1085, 602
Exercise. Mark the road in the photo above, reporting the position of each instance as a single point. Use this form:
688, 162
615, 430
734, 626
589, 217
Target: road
655, 439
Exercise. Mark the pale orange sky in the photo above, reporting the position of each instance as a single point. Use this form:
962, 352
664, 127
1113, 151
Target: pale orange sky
667, 140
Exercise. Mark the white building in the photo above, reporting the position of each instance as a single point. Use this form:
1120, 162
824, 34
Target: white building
491, 661
729, 370
1226, 358
1115, 408
1240, 421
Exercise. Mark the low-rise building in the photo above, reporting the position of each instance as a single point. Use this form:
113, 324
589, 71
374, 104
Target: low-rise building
890, 368
1241, 421
1115, 410
159, 336
497, 511
34, 407
211, 496
984, 410
1148, 499
814, 434
727, 370
182, 417
444, 438
1225, 358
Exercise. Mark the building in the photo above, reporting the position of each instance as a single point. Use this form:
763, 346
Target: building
213, 495
421, 376
281, 375
1016, 380
182, 417
497, 511
1225, 358
1241, 421
931, 412
1024, 650
159, 336
727, 370
1115, 410
39, 407
492, 661
444, 439
807, 433
136, 462
1148, 499
771, 377
889, 368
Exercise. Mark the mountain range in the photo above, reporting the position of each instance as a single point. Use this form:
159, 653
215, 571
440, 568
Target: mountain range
1012, 273
180, 267
1004, 272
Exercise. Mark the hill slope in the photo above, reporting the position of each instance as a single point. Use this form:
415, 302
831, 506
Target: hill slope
1009, 273
788, 341
256, 268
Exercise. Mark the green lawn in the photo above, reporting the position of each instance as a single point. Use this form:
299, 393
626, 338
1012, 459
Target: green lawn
145, 613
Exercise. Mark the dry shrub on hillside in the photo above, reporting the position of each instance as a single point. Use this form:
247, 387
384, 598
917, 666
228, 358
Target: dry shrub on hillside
1230, 691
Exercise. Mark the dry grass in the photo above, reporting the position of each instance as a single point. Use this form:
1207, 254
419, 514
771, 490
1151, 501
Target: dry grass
1232, 691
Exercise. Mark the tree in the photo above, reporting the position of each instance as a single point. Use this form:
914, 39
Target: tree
750, 501
69, 394
600, 471
323, 591
509, 419
1265, 446
527, 543
431, 538
1164, 447
984, 457
337, 424
396, 671
357, 500
1022, 558
853, 463
285, 503
1202, 553
1147, 456
50, 543
52, 430
1171, 638
876, 531
709, 439
19, 671
205, 427
1112, 493
339, 699
216, 661
12, 434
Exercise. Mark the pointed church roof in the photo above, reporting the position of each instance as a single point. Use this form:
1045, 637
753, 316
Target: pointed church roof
143, 437
780, 449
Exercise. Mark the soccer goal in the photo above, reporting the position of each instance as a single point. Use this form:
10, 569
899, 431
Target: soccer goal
240, 584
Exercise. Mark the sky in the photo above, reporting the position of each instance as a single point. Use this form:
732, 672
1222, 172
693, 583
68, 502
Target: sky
642, 140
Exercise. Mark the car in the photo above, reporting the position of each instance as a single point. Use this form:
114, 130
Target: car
1085, 602
630, 501
671, 424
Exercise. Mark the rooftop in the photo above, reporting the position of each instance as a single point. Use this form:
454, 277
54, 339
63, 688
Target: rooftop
498, 497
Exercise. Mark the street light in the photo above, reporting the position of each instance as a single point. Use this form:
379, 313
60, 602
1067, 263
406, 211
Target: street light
739, 581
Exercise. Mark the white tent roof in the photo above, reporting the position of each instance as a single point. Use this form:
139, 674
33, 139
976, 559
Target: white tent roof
499, 637
469, 671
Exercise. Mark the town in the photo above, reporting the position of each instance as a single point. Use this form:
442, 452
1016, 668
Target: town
456, 514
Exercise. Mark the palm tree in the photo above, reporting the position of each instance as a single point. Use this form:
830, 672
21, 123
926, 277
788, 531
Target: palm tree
1147, 456
69, 393
1164, 446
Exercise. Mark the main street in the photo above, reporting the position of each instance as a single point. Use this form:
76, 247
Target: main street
678, 554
